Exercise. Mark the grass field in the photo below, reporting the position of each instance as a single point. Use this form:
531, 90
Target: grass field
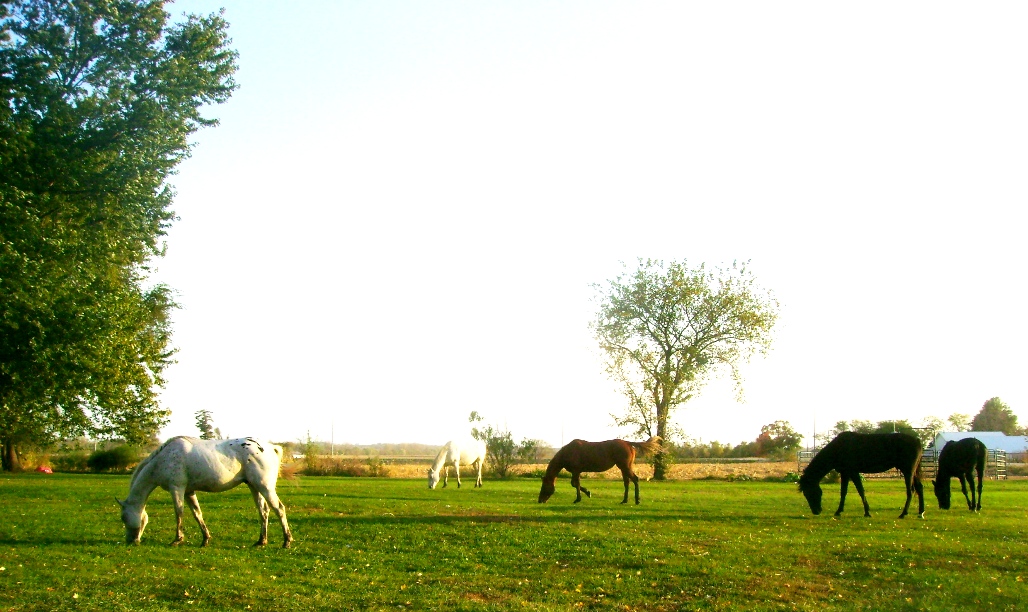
388, 544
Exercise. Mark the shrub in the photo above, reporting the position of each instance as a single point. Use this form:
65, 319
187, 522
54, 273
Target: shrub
72, 461
371, 467
118, 458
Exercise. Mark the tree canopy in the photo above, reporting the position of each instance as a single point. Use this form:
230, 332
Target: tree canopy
97, 104
666, 329
995, 415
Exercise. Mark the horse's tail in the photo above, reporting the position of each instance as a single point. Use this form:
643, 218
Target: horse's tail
649, 446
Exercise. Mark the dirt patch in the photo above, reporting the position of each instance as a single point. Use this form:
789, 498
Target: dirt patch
681, 471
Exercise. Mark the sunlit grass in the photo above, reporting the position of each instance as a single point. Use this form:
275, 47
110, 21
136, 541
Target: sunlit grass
393, 544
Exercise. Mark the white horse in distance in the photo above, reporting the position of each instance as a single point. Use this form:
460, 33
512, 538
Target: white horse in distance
457, 454
184, 465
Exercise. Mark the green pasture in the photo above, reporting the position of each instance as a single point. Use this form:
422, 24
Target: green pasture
388, 544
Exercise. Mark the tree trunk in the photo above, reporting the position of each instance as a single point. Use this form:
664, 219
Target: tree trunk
11, 463
662, 460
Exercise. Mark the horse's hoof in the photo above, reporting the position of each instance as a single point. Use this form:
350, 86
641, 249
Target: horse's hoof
260, 543
176, 542
205, 542
921, 515
286, 544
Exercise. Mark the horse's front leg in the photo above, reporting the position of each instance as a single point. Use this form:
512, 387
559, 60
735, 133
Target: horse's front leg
446, 475
842, 492
456, 471
576, 481
858, 483
262, 514
194, 505
177, 497
963, 488
478, 481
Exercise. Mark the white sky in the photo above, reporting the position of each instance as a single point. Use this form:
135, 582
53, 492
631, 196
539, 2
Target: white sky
400, 217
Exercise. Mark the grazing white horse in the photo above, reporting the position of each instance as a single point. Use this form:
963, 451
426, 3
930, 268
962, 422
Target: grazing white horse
184, 465
457, 454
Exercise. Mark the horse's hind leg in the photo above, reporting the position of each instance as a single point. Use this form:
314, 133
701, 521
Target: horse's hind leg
626, 476
913, 483
858, 483
919, 489
262, 513
978, 505
268, 491
194, 505
456, 470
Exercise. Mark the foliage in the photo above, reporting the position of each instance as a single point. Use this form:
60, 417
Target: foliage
377, 544
959, 422
862, 426
97, 104
119, 458
371, 466
502, 451
205, 423
930, 427
778, 440
995, 416
667, 328
311, 451
71, 461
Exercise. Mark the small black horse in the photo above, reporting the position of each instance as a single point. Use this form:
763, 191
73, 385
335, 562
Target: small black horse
852, 453
958, 458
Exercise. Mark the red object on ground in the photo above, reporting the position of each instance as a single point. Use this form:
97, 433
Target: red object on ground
44, 469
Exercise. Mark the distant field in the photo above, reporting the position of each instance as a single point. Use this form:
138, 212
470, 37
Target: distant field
388, 544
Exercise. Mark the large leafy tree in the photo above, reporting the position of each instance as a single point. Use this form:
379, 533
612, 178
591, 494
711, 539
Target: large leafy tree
995, 415
666, 329
97, 103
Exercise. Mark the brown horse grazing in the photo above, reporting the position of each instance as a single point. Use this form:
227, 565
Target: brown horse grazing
852, 453
580, 456
958, 458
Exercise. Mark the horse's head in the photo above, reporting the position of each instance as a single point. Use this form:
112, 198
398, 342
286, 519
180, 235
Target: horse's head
812, 491
433, 478
547, 490
135, 521
942, 493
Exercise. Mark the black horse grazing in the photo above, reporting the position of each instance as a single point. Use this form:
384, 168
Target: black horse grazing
852, 453
580, 456
958, 458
